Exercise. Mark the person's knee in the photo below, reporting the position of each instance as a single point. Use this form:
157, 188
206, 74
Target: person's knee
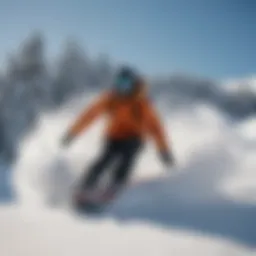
123, 169
121, 176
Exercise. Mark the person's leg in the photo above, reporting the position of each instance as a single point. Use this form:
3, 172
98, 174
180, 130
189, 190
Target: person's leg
128, 154
107, 156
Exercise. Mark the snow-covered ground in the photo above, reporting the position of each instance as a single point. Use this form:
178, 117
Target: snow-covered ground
205, 206
54, 234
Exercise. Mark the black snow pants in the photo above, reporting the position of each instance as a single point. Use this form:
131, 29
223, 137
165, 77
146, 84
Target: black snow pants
121, 153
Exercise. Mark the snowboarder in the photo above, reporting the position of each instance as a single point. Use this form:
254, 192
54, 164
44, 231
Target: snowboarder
131, 116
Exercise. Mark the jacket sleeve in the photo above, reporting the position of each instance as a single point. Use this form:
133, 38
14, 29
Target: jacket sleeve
156, 129
89, 115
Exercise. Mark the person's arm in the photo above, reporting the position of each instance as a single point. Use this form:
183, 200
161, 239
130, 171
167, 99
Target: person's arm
89, 115
158, 133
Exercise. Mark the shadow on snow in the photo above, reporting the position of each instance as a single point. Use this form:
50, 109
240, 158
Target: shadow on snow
189, 201
7, 194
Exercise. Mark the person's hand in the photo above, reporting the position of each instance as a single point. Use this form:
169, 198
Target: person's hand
167, 158
66, 140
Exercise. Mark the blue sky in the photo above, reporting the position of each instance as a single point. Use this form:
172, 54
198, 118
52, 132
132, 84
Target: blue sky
213, 38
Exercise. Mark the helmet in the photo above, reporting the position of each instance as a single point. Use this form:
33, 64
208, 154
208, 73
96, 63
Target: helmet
125, 82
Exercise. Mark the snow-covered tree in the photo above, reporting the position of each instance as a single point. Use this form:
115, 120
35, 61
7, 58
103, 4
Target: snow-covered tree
74, 72
27, 90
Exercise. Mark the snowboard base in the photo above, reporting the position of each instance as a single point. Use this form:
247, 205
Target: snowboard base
86, 204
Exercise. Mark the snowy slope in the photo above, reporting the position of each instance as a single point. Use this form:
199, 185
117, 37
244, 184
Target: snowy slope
54, 234
205, 207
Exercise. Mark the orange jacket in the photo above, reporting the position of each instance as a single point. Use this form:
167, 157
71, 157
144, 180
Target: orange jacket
130, 116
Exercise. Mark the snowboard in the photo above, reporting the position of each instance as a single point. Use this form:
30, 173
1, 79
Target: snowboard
84, 202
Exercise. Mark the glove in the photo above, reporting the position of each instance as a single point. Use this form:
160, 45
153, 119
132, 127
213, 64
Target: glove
167, 158
66, 140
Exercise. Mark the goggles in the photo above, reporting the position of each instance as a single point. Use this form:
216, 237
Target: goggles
124, 84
